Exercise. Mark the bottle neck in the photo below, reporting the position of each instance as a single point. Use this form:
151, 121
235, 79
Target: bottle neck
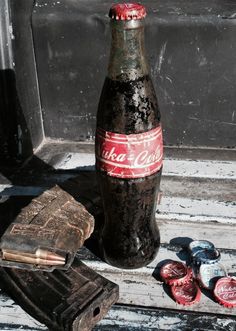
127, 56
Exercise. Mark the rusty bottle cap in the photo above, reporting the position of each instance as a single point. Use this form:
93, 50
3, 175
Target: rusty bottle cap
208, 274
186, 294
225, 291
127, 11
175, 273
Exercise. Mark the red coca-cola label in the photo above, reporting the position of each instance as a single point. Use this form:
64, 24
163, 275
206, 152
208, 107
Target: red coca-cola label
129, 156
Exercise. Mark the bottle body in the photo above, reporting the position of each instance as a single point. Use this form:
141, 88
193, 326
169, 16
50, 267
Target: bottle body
130, 238
128, 153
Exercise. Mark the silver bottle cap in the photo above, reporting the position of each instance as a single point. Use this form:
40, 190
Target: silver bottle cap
206, 256
198, 245
208, 274
203, 251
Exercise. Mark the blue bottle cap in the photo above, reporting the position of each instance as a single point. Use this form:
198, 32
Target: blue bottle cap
206, 256
198, 245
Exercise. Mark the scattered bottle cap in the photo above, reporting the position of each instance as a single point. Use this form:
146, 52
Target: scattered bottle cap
198, 245
127, 11
225, 291
186, 294
205, 271
208, 274
208, 256
175, 273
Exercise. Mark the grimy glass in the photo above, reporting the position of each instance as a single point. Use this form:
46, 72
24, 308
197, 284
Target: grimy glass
128, 149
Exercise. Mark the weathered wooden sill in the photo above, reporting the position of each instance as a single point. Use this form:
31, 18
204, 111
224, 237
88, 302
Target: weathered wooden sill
199, 202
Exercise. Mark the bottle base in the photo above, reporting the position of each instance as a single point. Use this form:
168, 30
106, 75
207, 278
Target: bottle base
132, 262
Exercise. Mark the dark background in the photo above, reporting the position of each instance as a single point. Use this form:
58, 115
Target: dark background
59, 58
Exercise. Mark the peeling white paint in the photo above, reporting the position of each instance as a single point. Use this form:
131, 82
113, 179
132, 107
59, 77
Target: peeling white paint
172, 167
75, 160
133, 319
197, 169
224, 323
192, 207
12, 314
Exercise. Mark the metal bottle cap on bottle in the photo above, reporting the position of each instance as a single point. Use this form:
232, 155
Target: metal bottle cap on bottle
127, 11
208, 274
225, 291
175, 273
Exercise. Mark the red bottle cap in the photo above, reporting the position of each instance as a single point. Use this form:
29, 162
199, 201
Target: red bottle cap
127, 11
175, 273
186, 294
225, 291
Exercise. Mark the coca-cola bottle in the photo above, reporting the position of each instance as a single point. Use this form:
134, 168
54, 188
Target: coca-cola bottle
128, 146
